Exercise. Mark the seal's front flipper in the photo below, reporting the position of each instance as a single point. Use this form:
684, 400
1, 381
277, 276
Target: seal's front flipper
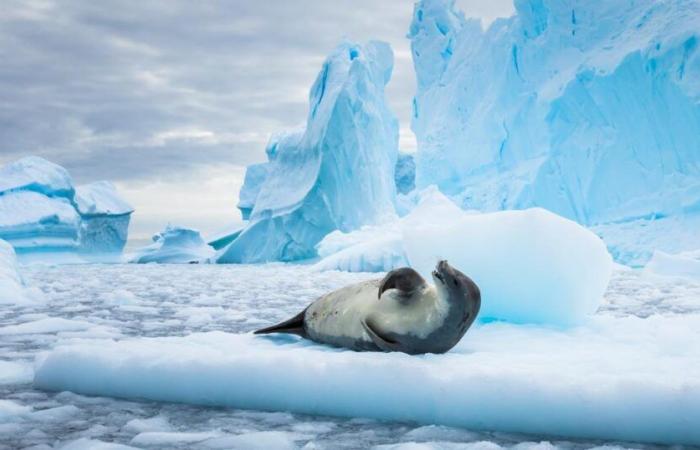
405, 280
295, 325
384, 343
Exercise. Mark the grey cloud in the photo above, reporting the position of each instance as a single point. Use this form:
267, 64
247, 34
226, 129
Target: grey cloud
132, 90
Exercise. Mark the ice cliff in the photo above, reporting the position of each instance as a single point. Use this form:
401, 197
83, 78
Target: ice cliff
588, 109
405, 173
332, 175
41, 211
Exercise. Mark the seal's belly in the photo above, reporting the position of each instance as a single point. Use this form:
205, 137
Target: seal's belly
336, 318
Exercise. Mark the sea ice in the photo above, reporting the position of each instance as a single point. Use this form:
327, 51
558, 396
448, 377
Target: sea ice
588, 109
501, 377
333, 174
175, 245
14, 372
532, 266
241, 298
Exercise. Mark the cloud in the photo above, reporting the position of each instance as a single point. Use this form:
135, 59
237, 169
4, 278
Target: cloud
156, 90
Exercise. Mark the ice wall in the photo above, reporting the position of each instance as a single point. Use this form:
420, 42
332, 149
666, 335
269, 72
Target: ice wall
588, 109
405, 173
330, 175
42, 212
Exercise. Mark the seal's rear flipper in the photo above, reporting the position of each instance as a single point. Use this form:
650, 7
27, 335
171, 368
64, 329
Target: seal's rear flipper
383, 343
295, 325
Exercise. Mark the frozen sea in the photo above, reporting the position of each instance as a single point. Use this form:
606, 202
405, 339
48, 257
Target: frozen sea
119, 301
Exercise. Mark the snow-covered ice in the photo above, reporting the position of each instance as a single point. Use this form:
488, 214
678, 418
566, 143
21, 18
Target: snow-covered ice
333, 174
588, 109
531, 266
41, 212
175, 245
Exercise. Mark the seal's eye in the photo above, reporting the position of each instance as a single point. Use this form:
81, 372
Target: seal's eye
454, 281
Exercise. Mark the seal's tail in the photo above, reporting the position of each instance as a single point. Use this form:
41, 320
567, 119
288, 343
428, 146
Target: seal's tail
295, 325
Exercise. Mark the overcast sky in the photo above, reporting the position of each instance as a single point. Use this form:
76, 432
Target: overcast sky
171, 99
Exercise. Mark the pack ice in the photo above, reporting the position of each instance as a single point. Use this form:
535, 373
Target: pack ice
588, 109
332, 174
532, 266
174, 245
42, 212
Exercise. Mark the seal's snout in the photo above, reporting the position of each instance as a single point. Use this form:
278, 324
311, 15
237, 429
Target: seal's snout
441, 271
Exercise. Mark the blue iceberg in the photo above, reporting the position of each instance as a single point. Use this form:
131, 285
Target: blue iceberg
42, 212
588, 109
332, 175
175, 245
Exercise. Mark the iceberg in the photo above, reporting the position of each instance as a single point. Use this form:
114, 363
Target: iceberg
684, 265
588, 109
532, 266
42, 212
330, 175
603, 380
175, 245
104, 216
12, 289
405, 173
255, 176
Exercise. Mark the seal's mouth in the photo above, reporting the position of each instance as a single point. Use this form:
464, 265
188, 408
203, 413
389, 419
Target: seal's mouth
437, 273
437, 276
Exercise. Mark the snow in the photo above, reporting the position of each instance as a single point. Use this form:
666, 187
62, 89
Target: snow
589, 110
157, 301
38, 175
501, 377
175, 245
12, 289
531, 266
100, 198
330, 175
42, 214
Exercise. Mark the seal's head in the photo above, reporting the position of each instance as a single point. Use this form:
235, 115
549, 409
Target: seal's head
456, 286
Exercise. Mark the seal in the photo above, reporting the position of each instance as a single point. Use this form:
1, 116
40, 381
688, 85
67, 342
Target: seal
399, 313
